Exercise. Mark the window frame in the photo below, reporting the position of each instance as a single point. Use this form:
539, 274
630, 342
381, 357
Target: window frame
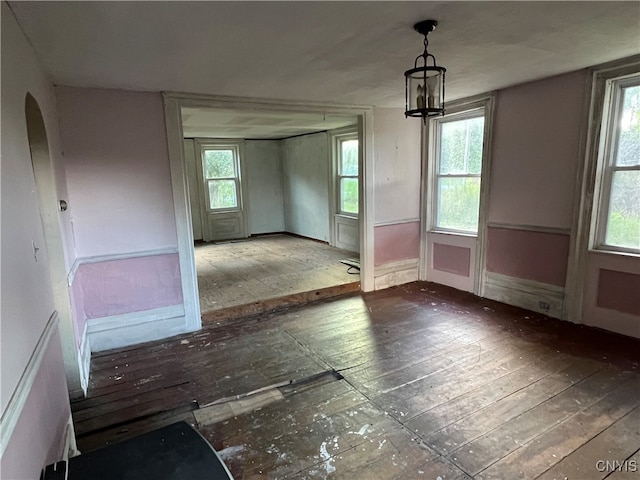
436, 134
235, 149
339, 139
607, 151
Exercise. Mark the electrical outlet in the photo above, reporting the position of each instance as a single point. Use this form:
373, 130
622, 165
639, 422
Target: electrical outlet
544, 306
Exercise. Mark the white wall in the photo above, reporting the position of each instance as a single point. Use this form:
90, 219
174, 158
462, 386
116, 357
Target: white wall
305, 166
396, 208
27, 300
397, 166
264, 182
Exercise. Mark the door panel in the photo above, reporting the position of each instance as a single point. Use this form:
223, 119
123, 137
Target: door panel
347, 233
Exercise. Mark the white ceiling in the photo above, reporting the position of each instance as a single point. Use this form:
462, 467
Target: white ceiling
332, 52
231, 123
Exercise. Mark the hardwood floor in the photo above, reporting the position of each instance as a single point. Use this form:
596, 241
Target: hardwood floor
418, 381
269, 271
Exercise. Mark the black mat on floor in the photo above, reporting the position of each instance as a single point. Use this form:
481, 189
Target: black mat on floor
175, 452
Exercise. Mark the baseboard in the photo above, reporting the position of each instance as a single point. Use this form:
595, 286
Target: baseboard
12, 413
395, 273
527, 294
69, 446
118, 331
84, 361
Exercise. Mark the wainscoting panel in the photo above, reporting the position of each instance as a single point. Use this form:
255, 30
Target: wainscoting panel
528, 294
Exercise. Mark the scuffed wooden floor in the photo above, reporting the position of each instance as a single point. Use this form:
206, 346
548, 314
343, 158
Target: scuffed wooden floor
436, 384
231, 274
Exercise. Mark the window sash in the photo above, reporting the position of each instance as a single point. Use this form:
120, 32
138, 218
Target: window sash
209, 180
609, 151
436, 216
341, 176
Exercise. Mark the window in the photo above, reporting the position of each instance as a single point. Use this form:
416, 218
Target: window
618, 222
221, 177
347, 147
458, 168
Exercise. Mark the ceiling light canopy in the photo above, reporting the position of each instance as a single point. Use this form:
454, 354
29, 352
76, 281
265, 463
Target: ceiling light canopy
424, 83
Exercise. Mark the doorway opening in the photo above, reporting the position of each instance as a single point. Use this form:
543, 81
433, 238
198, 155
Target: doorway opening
50, 208
274, 205
272, 219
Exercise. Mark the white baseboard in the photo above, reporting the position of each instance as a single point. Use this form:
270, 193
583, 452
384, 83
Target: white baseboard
12, 413
395, 273
527, 294
84, 360
130, 328
69, 446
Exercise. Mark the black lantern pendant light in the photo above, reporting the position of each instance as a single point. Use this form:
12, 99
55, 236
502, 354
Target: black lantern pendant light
424, 84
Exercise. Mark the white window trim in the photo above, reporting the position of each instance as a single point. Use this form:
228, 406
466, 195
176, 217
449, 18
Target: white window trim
435, 126
337, 137
605, 165
235, 147
487, 102
586, 195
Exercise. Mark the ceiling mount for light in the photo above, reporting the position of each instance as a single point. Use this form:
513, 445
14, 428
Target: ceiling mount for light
424, 84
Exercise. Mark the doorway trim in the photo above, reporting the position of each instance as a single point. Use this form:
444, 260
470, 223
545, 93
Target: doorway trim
173, 104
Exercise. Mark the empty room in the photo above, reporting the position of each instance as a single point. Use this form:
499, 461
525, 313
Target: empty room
316, 240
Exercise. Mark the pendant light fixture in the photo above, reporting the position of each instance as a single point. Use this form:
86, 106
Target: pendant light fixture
424, 83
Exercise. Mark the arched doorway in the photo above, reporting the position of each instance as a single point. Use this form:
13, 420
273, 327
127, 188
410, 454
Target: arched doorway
49, 211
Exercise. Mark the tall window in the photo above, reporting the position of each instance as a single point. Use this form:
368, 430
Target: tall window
458, 169
221, 178
619, 209
348, 175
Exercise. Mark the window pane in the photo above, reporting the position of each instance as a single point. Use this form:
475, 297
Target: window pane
349, 157
629, 133
461, 146
219, 164
222, 194
458, 203
349, 195
623, 221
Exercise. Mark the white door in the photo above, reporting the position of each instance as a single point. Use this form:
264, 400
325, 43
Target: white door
223, 204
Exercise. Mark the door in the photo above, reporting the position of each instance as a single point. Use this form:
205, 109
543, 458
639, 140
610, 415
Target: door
223, 205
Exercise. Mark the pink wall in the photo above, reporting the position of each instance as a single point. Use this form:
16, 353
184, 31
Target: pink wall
452, 259
117, 166
530, 255
396, 242
619, 291
27, 299
129, 285
536, 141
38, 436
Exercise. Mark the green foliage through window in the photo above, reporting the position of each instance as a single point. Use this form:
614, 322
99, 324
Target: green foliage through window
222, 194
458, 174
348, 176
349, 195
219, 164
221, 177
623, 217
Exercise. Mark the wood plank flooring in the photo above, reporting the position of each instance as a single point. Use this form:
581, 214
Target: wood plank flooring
418, 381
269, 271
